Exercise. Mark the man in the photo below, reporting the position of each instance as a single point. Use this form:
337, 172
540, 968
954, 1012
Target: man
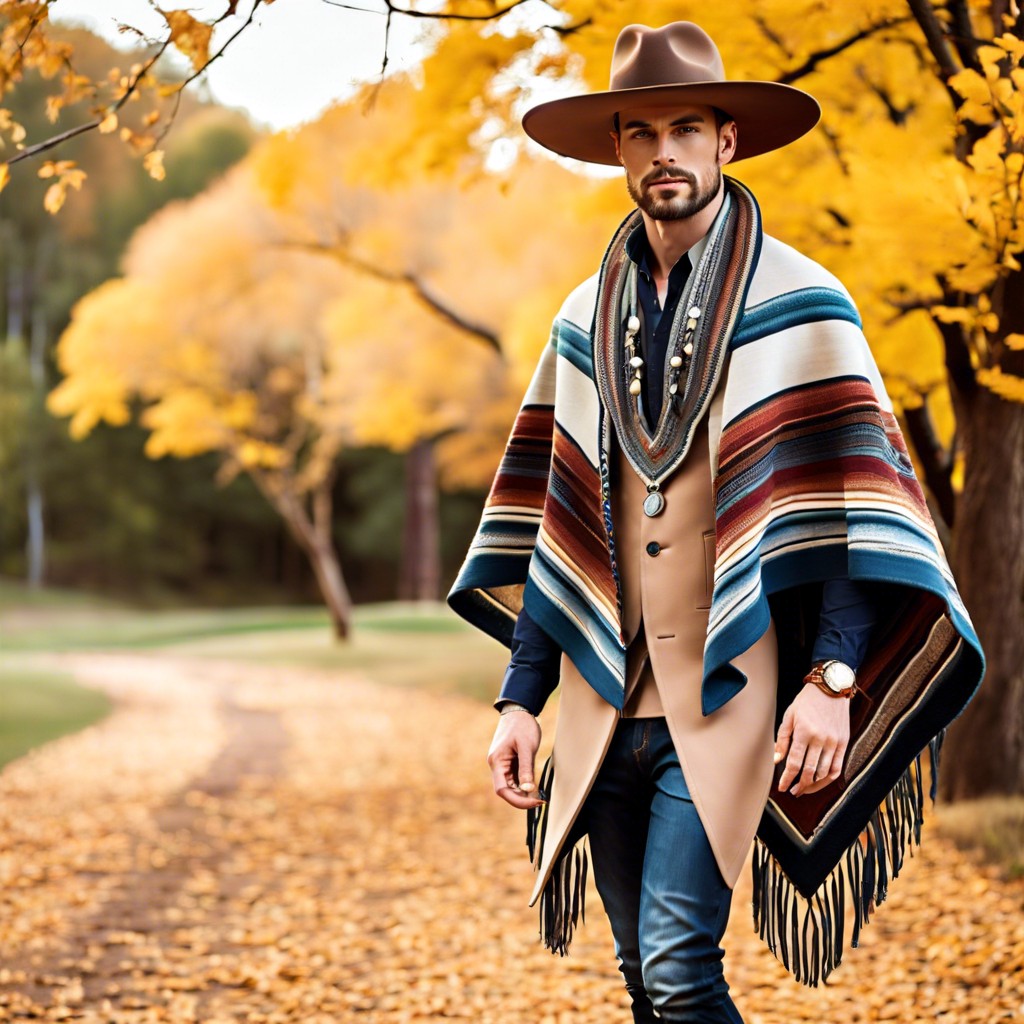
707, 528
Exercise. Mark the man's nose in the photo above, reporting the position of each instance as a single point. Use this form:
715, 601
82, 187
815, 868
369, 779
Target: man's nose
665, 155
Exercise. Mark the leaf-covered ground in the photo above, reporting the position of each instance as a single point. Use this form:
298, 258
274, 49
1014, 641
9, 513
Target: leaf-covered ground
263, 845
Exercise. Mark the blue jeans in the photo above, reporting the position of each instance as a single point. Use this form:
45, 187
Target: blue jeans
658, 879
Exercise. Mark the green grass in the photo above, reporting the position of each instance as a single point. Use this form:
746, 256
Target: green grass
426, 647
419, 645
37, 705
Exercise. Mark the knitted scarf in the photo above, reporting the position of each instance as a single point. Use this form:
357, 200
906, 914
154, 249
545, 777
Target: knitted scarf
812, 480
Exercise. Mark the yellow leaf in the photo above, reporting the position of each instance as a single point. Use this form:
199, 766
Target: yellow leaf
154, 164
190, 35
971, 86
952, 315
990, 57
55, 196
1005, 385
108, 124
5, 176
1015, 341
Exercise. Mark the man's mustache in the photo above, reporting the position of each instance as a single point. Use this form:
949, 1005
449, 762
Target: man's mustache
661, 176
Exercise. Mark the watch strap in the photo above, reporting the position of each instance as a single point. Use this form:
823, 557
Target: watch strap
817, 676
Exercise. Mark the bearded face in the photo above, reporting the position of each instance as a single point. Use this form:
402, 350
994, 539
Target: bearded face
673, 157
674, 193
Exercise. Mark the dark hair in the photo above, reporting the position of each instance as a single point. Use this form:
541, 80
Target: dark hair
721, 118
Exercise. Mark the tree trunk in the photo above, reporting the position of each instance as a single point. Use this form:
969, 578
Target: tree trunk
314, 536
420, 573
984, 750
34, 454
327, 569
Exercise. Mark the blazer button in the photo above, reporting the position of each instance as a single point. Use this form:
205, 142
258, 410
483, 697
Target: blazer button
653, 548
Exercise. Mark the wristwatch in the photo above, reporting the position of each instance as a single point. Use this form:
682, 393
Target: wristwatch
835, 678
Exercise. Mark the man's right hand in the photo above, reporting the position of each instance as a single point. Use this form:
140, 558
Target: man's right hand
511, 757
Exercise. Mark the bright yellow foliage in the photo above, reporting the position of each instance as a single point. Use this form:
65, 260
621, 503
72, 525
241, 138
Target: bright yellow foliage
208, 307
190, 35
330, 231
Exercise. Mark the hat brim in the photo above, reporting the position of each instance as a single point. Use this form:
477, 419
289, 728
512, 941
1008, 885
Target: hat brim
768, 115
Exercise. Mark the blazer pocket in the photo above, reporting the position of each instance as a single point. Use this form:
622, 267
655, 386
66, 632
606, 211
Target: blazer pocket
708, 538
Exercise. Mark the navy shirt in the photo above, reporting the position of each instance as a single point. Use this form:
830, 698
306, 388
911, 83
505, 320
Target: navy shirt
847, 613
657, 321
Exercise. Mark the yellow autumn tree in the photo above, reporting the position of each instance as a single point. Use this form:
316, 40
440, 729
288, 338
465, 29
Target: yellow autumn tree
435, 346
214, 333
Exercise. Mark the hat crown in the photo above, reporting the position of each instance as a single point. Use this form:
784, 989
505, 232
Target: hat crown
679, 53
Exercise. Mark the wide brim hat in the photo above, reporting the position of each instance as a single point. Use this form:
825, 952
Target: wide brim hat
678, 64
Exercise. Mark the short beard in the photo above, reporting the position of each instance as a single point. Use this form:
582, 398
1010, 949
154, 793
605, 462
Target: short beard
678, 207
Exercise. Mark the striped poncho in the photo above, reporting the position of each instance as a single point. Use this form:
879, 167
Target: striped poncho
811, 480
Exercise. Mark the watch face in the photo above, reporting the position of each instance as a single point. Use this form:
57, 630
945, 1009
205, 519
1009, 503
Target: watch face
838, 676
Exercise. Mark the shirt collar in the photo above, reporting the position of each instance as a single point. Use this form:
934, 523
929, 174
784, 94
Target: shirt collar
638, 248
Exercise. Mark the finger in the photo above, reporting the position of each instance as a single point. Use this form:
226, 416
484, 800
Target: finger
785, 734
502, 769
517, 799
836, 768
824, 766
526, 755
811, 758
793, 763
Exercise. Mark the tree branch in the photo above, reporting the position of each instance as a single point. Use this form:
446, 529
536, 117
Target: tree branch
392, 8
201, 71
816, 58
897, 115
955, 344
963, 34
418, 287
55, 140
935, 37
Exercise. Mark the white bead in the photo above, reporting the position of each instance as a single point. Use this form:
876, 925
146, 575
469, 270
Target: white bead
676, 361
633, 324
634, 386
673, 388
636, 362
688, 348
694, 312
690, 324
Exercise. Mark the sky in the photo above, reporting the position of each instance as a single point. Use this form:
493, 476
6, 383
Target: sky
298, 56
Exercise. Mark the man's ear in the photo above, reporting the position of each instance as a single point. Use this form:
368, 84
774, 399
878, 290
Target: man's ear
615, 140
727, 141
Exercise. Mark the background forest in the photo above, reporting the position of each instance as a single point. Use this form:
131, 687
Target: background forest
288, 361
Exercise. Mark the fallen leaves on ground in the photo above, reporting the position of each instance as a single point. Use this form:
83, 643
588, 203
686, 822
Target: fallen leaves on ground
271, 845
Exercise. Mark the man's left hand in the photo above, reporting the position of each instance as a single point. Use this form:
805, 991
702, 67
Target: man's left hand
815, 731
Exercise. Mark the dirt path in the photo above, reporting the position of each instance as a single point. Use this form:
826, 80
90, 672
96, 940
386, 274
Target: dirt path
262, 845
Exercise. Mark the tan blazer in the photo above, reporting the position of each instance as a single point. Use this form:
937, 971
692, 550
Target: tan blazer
726, 757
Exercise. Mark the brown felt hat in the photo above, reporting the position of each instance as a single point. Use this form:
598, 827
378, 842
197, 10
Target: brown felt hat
676, 64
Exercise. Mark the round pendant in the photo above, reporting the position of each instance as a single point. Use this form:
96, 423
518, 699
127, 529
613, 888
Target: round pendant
654, 503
